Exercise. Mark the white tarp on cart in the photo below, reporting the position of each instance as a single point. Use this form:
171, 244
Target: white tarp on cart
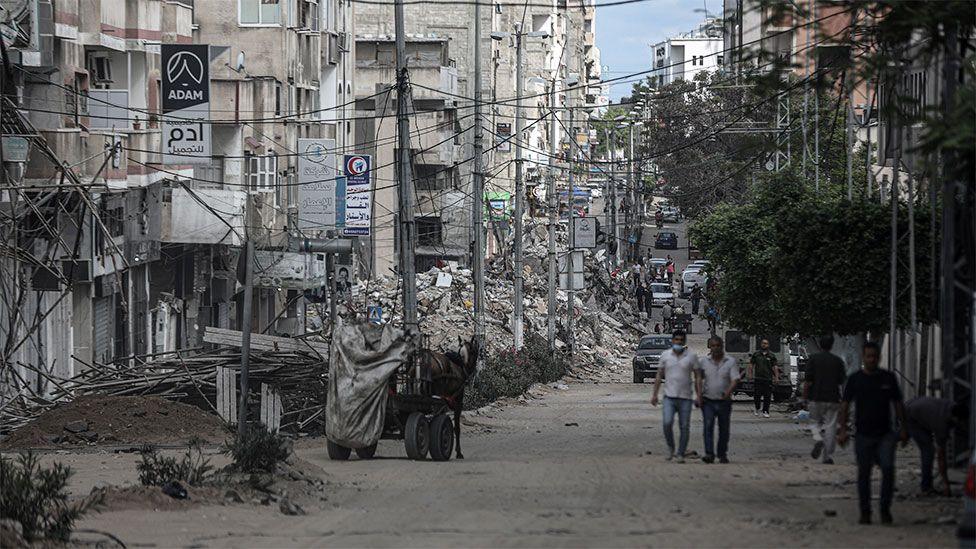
363, 358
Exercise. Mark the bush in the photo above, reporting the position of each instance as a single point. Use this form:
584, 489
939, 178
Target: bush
157, 470
38, 500
509, 374
258, 450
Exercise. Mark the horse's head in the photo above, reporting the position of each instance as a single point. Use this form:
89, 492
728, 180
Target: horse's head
469, 353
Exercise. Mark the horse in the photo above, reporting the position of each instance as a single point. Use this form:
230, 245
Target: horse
450, 374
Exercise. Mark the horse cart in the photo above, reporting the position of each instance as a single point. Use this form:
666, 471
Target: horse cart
414, 415
413, 400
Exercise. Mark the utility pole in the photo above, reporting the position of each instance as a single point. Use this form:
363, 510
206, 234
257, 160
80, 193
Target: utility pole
404, 180
632, 194
553, 200
606, 200
246, 330
613, 198
478, 213
911, 347
517, 327
570, 45
893, 293
571, 258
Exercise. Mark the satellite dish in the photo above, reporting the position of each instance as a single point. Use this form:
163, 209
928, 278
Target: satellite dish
240, 61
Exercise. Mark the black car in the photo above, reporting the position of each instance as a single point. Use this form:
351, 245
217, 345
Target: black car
648, 354
666, 241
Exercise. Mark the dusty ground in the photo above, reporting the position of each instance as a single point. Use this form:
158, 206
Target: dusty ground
576, 466
533, 480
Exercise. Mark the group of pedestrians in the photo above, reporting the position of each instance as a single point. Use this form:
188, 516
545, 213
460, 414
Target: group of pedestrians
881, 418
689, 380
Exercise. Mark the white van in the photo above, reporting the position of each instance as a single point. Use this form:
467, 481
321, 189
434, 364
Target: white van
688, 279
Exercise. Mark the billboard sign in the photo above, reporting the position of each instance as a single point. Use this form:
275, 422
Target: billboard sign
316, 184
186, 103
358, 195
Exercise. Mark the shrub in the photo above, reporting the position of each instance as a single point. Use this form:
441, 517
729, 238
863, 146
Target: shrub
38, 500
509, 374
258, 450
157, 470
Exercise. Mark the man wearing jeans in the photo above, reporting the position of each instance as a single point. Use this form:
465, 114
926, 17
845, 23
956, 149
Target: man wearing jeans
874, 393
764, 371
718, 374
825, 376
676, 367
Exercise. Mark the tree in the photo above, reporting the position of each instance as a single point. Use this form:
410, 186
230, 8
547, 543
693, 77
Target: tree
794, 261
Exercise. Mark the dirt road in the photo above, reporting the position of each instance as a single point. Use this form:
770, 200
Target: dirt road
582, 466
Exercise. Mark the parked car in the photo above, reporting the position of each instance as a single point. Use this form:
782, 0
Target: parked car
966, 531
693, 253
666, 240
741, 346
648, 354
671, 215
595, 192
661, 293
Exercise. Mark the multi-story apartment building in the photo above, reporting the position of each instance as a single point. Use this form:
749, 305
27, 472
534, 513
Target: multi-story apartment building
684, 56
131, 256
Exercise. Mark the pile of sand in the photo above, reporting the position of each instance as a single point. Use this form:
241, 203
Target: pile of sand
115, 420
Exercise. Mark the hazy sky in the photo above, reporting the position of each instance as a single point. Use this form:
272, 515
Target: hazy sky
625, 33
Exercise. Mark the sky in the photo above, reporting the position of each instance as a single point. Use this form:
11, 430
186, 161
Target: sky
626, 32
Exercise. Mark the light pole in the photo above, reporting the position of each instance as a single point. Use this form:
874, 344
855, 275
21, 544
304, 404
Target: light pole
518, 326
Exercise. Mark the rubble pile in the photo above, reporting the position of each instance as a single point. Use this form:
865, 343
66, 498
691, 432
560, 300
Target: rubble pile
607, 327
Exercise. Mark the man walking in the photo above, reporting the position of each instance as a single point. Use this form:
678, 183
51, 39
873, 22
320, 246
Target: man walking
718, 374
764, 371
676, 367
696, 296
931, 418
824, 379
874, 392
641, 295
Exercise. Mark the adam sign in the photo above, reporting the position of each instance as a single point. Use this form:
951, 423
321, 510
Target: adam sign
186, 103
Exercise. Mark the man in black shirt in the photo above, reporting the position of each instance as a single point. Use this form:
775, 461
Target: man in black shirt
824, 377
874, 392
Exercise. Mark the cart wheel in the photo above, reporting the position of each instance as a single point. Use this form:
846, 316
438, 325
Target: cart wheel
441, 438
416, 436
366, 453
337, 452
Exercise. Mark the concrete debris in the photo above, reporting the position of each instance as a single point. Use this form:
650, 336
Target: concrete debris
607, 324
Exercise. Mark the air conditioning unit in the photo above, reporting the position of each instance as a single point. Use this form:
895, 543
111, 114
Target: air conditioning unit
78, 270
100, 69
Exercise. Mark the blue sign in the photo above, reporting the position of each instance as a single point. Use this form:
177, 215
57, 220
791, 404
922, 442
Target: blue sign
359, 195
375, 314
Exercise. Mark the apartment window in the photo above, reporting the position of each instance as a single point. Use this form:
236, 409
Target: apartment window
262, 173
259, 12
429, 231
720, 60
308, 14
277, 98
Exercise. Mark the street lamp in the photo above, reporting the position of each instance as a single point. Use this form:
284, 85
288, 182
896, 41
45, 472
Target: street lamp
518, 35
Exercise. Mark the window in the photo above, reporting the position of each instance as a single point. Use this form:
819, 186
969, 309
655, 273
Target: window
720, 60
308, 14
259, 12
429, 231
262, 173
277, 98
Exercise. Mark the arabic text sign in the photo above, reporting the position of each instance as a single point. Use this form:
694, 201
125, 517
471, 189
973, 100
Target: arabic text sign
316, 184
186, 103
359, 194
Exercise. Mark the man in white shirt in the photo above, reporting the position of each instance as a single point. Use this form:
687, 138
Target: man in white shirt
717, 375
676, 367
